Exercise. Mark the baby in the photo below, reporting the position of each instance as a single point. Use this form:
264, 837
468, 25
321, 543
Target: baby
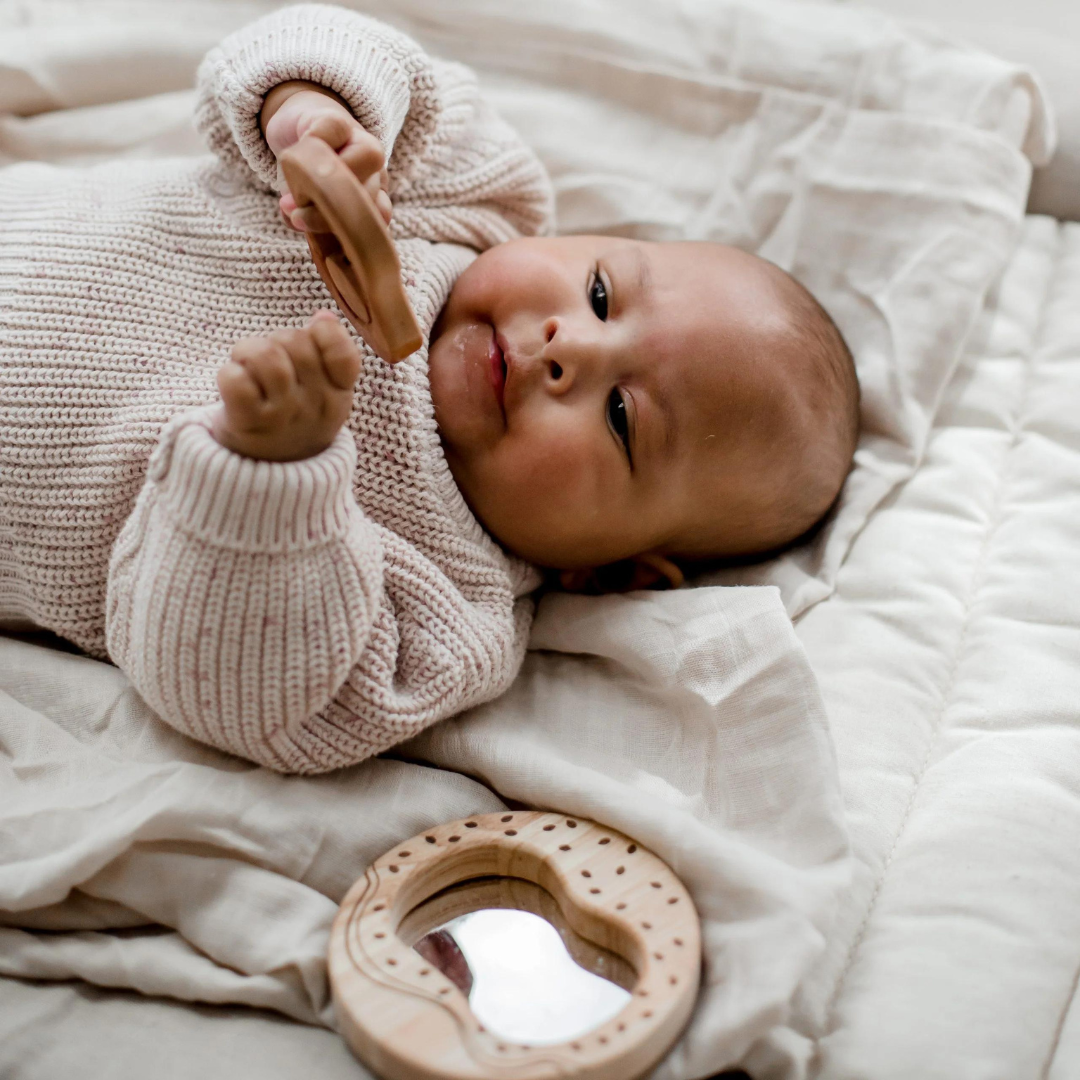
298, 564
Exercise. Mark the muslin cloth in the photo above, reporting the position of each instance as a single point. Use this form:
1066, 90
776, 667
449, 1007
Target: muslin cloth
690, 721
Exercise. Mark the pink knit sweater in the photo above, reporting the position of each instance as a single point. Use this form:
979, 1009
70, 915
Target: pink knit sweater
304, 615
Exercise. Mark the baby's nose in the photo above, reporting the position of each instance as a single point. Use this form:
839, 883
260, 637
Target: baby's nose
555, 363
557, 374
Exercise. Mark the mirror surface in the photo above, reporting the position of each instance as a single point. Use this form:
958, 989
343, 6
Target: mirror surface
527, 975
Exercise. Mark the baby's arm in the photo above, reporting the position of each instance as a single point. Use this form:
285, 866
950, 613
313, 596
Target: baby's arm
243, 592
477, 183
246, 583
366, 64
457, 171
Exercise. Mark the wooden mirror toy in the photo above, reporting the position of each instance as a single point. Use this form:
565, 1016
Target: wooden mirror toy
357, 260
407, 963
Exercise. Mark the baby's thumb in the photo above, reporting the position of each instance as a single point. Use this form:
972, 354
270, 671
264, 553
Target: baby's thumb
340, 356
331, 125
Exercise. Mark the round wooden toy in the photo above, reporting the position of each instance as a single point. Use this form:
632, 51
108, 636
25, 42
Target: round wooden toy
357, 261
406, 1020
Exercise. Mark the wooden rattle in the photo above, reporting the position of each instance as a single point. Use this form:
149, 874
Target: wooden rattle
357, 260
406, 1020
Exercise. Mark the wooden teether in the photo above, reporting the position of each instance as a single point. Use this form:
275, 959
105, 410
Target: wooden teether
357, 260
406, 1020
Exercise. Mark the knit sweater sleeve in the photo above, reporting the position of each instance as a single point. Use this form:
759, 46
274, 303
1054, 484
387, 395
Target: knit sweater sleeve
477, 183
458, 173
241, 593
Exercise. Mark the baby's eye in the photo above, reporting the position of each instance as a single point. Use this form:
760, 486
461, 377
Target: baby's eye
598, 298
616, 411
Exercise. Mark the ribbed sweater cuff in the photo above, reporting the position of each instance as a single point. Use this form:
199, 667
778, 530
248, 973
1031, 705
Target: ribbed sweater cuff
232, 501
367, 63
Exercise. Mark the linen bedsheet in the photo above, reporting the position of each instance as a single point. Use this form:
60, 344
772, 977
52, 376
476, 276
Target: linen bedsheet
948, 659
884, 167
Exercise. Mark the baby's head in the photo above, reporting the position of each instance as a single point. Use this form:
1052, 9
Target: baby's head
602, 399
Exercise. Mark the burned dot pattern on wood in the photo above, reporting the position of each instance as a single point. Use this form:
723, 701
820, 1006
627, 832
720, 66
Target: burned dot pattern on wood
623, 894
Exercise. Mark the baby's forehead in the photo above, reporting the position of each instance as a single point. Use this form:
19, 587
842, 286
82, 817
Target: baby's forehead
718, 270
720, 357
712, 314
711, 296
715, 274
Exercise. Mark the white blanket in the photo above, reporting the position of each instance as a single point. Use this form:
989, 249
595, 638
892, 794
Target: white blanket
690, 721
887, 170
950, 665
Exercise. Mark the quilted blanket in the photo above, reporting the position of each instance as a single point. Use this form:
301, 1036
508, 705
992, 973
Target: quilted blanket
949, 657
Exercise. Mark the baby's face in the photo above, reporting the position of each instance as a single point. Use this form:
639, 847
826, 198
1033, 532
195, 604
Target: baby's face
601, 398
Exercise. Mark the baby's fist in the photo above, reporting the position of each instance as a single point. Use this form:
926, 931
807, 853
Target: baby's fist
286, 396
295, 109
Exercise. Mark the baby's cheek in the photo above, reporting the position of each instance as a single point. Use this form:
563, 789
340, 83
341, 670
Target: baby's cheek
552, 502
494, 285
556, 468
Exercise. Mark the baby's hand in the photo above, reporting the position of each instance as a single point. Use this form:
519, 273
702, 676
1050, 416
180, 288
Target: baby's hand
287, 395
291, 111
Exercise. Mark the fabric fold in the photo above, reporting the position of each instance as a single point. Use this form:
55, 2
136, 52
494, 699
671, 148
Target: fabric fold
690, 721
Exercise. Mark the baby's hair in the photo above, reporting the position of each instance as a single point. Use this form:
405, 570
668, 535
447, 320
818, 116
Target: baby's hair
829, 353
832, 389
802, 432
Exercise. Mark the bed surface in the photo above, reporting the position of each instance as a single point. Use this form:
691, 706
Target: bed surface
1042, 34
941, 618
948, 660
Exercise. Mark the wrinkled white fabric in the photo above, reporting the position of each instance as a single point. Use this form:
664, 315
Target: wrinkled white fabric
948, 660
690, 721
888, 170
1041, 35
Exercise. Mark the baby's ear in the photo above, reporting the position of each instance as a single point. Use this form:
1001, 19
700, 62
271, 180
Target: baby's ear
655, 571
649, 571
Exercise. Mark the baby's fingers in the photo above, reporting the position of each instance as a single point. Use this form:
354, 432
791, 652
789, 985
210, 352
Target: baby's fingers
238, 389
266, 364
363, 154
340, 357
306, 219
301, 218
331, 123
379, 196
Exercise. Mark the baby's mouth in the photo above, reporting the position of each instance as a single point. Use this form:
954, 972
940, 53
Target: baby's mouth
497, 360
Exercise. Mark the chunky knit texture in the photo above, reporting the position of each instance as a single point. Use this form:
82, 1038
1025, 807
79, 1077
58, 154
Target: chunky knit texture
304, 615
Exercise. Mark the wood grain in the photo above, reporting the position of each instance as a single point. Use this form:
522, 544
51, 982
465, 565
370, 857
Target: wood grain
358, 260
407, 1021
